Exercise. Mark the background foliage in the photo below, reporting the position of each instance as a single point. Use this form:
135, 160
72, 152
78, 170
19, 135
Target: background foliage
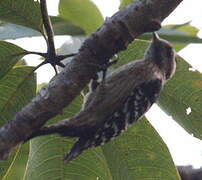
138, 154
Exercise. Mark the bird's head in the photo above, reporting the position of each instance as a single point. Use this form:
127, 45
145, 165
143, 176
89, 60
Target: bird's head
162, 54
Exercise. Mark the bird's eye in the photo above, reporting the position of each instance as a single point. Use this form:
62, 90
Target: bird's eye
169, 52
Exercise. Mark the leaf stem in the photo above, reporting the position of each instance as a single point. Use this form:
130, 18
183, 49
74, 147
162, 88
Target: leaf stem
48, 28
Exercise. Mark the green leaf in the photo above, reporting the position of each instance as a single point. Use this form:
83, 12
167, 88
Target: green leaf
60, 27
17, 168
134, 51
5, 165
182, 92
186, 28
64, 27
179, 41
175, 38
46, 153
125, 3
22, 12
17, 88
21, 62
8, 56
14, 31
140, 153
179, 35
84, 14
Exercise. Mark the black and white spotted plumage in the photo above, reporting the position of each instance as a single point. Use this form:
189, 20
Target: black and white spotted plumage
135, 105
118, 101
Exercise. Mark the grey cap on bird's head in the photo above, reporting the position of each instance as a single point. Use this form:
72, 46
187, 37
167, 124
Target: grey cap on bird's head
161, 53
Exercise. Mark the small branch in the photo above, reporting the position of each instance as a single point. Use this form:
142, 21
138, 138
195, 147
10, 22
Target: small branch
113, 36
48, 28
37, 53
31, 52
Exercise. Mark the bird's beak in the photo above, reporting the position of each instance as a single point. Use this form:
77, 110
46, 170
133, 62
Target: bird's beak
155, 36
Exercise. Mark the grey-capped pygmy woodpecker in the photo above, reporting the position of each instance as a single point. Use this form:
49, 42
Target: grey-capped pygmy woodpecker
120, 100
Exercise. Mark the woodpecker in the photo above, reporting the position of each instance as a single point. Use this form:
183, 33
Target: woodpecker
119, 100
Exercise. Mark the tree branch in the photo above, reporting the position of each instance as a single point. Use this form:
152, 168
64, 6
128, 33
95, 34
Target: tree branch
113, 36
48, 28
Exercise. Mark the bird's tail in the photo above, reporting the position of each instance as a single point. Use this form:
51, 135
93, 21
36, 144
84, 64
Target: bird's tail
81, 145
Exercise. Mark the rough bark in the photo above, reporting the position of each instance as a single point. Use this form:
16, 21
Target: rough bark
113, 36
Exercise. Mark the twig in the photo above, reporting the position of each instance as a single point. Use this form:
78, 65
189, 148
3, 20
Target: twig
31, 52
48, 28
